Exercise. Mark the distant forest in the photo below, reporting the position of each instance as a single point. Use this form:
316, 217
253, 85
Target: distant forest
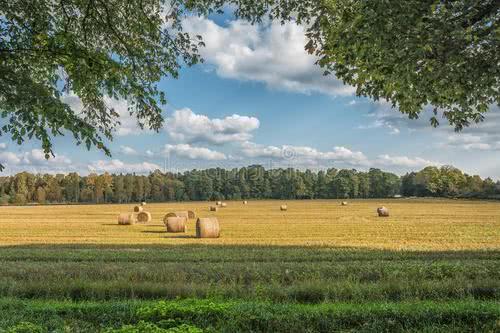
253, 182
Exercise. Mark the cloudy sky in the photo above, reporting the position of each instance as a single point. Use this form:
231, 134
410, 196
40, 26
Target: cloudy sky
259, 99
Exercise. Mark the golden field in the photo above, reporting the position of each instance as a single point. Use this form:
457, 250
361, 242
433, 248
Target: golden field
429, 224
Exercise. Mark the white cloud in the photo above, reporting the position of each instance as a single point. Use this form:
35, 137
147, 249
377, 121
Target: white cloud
8, 158
187, 126
483, 136
126, 150
34, 157
194, 153
479, 141
3, 145
303, 154
338, 156
273, 54
128, 123
403, 161
34, 161
117, 166
37, 157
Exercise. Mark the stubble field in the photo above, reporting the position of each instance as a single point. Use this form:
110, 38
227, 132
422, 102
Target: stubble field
433, 265
413, 224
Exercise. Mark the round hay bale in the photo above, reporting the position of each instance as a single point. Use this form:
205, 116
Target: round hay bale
283, 207
143, 203
171, 214
219, 203
383, 212
182, 213
178, 214
245, 202
344, 203
126, 219
214, 208
175, 224
223, 204
138, 209
207, 227
191, 214
144, 217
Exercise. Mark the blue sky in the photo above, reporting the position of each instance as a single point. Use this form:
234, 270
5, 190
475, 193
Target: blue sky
260, 99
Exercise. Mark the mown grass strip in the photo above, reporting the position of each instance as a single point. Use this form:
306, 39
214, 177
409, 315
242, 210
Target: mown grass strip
244, 316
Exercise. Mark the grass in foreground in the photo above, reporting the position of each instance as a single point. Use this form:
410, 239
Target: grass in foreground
244, 316
264, 273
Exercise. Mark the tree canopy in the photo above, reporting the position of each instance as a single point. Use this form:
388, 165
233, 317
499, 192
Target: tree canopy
415, 54
92, 49
252, 182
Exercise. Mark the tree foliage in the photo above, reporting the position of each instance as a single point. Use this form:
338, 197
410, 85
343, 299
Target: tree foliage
253, 182
92, 49
413, 53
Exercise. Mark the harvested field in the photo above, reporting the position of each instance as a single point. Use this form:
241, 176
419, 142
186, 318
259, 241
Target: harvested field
431, 266
413, 225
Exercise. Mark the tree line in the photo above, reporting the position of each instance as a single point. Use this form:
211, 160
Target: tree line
253, 182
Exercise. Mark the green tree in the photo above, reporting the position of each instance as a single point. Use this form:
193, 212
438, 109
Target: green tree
71, 186
54, 192
93, 49
41, 195
427, 181
322, 186
20, 186
346, 184
119, 189
156, 180
4, 199
408, 184
364, 185
129, 184
452, 181
413, 53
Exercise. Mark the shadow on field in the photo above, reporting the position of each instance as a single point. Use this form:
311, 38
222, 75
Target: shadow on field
168, 235
237, 253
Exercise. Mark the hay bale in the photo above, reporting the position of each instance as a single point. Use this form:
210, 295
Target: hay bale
188, 214
383, 212
143, 203
171, 214
245, 202
223, 204
207, 227
144, 217
214, 208
183, 213
126, 219
219, 203
138, 209
344, 203
175, 224
283, 207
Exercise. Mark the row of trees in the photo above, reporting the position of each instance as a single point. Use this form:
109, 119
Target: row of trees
253, 182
